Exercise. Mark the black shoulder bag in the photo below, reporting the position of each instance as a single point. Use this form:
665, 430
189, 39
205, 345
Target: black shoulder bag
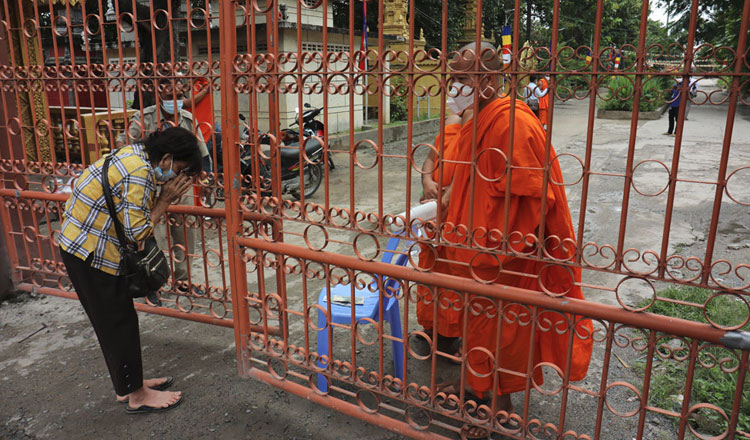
147, 270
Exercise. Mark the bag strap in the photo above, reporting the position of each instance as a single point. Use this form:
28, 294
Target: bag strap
111, 204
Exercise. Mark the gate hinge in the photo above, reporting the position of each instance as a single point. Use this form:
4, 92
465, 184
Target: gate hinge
737, 340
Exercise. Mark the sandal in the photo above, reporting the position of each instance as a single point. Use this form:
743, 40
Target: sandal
161, 387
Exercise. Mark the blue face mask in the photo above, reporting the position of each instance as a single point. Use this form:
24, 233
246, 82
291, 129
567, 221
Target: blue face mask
161, 176
169, 106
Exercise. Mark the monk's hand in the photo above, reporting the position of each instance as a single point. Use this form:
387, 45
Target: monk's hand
429, 190
452, 119
467, 115
175, 188
445, 201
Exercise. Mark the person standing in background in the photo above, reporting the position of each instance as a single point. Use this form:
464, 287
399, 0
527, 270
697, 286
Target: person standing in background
543, 100
674, 108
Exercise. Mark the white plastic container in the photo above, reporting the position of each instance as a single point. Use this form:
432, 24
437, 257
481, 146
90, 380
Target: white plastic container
425, 212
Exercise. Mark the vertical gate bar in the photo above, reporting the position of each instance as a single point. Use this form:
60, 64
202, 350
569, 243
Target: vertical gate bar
410, 90
646, 382
433, 334
572, 331
211, 88
329, 323
24, 44
464, 352
280, 273
305, 305
13, 62
534, 323
274, 80
10, 241
352, 207
232, 181
174, 80
76, 99
89, 82
738, 390
272, 47
611, 329
105, 63
326, 78
637, 91
593, 92
251, 47
728, 131
683, 93
381, 121
515, 65
20, 220
687, 393
6, 110
540, 242
59, 82
300, 106
45, 110
154, 59
496, 369
444, 85
139, 83
475, 73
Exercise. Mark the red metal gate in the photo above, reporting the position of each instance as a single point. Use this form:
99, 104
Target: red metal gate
653, 215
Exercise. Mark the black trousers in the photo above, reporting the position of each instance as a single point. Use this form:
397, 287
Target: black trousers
673, 112
110, 309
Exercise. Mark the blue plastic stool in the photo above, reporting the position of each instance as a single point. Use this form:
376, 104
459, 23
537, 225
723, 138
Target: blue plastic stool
341, 314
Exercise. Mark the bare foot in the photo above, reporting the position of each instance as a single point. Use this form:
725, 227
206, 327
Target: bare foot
151, 383
155, 399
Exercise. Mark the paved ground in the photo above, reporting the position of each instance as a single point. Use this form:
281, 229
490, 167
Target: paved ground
54, 382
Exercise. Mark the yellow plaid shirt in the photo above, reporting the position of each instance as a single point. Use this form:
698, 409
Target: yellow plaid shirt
87, 226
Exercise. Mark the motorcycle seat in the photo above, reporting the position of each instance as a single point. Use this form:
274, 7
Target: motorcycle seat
288, 153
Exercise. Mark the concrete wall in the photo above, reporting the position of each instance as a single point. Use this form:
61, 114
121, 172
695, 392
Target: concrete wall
628, 114
393, 133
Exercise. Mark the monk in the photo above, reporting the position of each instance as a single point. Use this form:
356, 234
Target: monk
543, 100
448, 303
481, 204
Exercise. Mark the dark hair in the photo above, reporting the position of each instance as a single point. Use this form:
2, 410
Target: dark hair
533, 78
177, 141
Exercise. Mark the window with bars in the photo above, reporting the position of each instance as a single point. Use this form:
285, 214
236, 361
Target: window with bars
318, 47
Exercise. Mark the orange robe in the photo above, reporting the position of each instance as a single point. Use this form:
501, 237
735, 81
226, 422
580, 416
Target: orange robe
449, 303
543, 101
481, 215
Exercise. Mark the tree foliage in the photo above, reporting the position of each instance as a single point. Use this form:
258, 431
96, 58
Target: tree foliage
718, 21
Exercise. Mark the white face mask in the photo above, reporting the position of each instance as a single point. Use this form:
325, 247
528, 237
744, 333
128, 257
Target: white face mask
460, 97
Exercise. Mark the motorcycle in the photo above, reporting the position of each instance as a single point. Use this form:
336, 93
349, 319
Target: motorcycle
290, 164
310, 127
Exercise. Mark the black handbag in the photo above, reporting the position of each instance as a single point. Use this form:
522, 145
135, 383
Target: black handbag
147, 270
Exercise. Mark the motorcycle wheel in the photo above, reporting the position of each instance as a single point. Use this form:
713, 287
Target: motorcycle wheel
313, 177
331, 165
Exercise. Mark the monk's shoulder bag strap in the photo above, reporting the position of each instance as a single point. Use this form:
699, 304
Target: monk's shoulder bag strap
147, 270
